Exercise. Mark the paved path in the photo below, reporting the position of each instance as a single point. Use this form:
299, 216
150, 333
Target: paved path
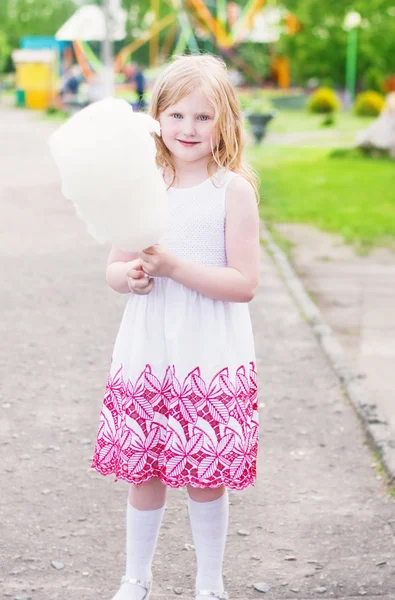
321, 138
319, 522
357, 297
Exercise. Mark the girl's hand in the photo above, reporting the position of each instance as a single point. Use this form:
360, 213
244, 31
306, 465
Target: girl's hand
158, 261
137, 281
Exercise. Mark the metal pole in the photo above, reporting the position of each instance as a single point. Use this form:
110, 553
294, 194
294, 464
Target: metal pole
107, 52
154, 41
351, 67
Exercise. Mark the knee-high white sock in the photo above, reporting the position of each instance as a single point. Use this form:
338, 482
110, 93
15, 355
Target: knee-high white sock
142, 530
209, 522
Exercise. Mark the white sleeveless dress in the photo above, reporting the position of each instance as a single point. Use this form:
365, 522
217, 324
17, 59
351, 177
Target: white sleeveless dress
181, 398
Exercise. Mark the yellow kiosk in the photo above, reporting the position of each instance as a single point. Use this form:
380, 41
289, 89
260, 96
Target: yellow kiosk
37, 79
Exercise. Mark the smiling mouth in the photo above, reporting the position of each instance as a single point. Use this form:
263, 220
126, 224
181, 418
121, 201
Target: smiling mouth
184, 143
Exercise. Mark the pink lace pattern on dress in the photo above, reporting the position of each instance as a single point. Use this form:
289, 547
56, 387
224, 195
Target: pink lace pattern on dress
186, 432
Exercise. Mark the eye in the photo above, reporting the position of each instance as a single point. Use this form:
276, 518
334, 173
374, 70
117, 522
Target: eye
177, 116
203, 117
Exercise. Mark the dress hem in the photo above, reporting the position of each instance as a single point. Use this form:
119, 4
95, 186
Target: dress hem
231, 484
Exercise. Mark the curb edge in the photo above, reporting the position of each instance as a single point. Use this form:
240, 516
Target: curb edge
376, 427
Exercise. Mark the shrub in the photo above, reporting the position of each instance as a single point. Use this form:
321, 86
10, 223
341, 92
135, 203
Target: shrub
324, 100
329, 121
369, 104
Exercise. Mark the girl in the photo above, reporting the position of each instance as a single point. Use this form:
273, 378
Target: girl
181, 403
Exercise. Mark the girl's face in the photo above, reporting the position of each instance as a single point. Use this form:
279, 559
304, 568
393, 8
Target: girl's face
188, 129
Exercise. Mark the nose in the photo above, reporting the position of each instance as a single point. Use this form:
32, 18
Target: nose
189, 127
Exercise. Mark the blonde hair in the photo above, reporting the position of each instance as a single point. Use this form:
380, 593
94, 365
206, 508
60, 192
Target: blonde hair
209, 75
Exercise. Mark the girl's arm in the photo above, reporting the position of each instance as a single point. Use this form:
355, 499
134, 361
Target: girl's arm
239, 280
118, 264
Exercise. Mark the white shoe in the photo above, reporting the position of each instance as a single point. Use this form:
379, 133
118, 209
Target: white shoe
146, 585
214, 595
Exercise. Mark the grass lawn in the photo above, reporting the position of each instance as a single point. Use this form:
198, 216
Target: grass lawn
349, 195
7, 93
55, 116
298, 121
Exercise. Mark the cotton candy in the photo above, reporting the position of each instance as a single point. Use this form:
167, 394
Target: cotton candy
105, 155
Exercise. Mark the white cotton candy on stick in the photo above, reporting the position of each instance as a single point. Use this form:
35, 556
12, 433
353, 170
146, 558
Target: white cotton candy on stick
105, 155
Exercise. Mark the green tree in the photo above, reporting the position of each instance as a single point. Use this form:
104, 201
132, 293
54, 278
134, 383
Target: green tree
319, 49
19, 18
5, 50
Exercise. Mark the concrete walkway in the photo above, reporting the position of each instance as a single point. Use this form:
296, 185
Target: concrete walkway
319, 522
356, 294
322, 138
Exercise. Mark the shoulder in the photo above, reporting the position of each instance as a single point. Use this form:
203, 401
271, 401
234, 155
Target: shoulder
241, 211
239, 193
239, 184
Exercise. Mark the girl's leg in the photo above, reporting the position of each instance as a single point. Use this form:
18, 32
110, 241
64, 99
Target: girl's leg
209, 515
146, 504
148, 496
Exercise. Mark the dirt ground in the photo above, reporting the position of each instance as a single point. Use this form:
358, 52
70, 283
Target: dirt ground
319, 522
